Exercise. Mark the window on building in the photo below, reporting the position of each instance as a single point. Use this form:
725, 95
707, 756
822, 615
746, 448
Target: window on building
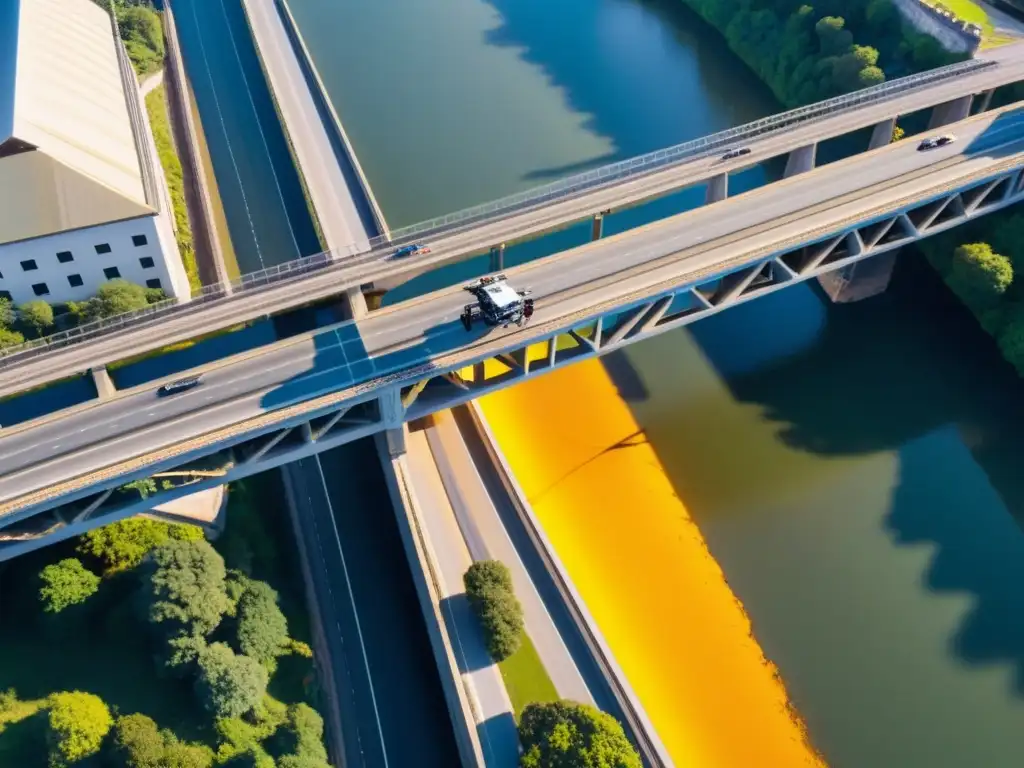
64, 257
5, 295
146, 262
138, 240
154, 283
102, 248
40, 289
111, 272
75, 281
28, 265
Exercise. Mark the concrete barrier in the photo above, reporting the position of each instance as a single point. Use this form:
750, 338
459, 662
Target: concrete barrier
423, 563
646, 738
204, 231
320, 93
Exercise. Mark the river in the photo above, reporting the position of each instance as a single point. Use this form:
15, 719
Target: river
853, 470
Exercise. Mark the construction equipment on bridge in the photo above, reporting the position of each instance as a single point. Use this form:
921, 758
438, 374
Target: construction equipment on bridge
497, 303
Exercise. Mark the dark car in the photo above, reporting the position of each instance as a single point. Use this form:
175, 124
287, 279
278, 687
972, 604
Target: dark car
935, 142
181, 385
411, 250
734, 153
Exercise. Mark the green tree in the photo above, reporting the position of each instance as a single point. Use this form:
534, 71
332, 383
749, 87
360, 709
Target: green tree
489, 590
77, 724
564, 734
9, 338
229, 685
115, 297
302, 735
833, 38
979, 276
36, 316
136, 743
7, 313
302, 761
181, 754
123, 544
66, 583
183, 652
183, 587
262, 628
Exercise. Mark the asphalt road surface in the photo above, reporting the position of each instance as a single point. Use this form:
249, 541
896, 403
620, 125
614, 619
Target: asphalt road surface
382, 270
40, 454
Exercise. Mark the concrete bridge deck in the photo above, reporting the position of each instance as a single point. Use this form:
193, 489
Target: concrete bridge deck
843, 212
507, 224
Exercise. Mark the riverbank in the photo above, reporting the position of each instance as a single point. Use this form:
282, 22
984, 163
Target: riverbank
642, 566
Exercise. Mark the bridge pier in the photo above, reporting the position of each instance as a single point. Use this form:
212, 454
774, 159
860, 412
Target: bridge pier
497, 258
597, 227
986, 100
104, 384
860, 280
882, 134
354, 303
718, 189
950, 112
392, 415
801, 160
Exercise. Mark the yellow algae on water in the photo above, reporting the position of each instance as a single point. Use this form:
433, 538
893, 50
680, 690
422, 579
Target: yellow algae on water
641, 565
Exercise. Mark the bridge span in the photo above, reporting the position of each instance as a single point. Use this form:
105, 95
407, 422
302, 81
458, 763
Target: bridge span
949, 91
295, 398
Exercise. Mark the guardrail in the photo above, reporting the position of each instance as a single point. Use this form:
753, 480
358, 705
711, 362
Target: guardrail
558, 190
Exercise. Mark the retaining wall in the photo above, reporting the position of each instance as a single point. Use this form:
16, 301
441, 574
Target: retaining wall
953, 33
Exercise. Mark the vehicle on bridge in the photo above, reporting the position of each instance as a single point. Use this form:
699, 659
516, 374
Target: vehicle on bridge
181, 385
497, 303
935, 142
732, 154
411, 250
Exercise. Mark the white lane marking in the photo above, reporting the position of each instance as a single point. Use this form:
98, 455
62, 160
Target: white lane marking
355, 612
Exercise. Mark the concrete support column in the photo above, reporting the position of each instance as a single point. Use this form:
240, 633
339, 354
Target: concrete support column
718, 189
104, 384
392, 415
882, 134
354, 303
801, 160
950, 112
597, 227
860, 280
497, 258
986, 100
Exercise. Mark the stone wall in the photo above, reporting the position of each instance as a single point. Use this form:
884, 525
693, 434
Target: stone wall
953, 33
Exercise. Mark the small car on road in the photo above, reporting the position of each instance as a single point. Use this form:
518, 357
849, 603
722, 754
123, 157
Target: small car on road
935, 142
411, 250
732, 154
181, 385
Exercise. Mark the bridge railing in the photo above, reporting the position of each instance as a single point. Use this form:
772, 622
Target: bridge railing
537, 196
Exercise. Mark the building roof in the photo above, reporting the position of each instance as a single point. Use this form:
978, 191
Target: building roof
68, 152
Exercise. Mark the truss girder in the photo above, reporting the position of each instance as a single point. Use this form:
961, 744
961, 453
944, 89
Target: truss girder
608, 329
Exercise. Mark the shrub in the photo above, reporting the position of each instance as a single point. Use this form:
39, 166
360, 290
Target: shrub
65, 584
9, 338
302, 735
262, 628
229, 685
7, 313
115, 297
123, 544
183, 587
979, 276
36, 316
489, 589
137, 743
564, 734
77, 723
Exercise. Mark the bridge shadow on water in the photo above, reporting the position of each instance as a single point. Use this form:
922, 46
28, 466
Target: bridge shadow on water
911, 374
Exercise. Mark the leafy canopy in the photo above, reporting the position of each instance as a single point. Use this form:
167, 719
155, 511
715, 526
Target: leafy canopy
564, 734
65, 584
229, 685
77, 723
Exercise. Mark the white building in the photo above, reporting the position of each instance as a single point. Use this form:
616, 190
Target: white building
82, 197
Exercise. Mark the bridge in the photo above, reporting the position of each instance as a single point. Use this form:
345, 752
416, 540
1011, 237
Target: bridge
275, 404
951, 93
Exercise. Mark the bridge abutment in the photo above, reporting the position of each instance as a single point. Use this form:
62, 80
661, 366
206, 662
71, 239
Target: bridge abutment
860, 280
718, 189
950, 112
882, 134
801, 160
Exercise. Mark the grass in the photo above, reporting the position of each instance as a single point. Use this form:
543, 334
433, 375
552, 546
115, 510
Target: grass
526, 680
156, 106
104, 649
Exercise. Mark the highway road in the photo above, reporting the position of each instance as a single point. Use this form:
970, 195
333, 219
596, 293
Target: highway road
380, 268
58, 453
333, 184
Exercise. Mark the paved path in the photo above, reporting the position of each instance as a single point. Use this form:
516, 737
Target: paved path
151, 82
496, 726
